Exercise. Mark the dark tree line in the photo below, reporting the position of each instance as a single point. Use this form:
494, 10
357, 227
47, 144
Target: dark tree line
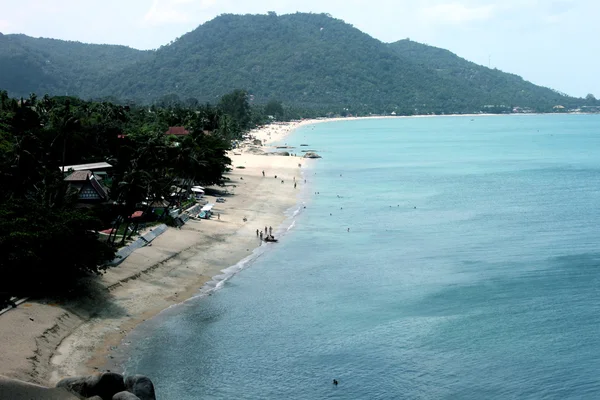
46, 241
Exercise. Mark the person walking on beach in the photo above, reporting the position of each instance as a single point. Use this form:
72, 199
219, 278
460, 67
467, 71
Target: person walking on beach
270, 231
266, 230
219, 216
263, 174
261, 236
257, 233
294, 185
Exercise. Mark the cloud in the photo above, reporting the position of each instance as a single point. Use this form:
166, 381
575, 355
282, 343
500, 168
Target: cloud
163, 12
456, 13
4, 25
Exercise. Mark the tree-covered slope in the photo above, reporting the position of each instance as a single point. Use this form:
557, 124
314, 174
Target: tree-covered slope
501, 87
309, 60
59, 67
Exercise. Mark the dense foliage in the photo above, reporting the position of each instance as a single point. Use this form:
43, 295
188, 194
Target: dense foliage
57, 67
497, 87
47, 239
304, 60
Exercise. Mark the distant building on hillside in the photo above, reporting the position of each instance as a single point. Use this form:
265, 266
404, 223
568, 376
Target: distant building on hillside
177, 131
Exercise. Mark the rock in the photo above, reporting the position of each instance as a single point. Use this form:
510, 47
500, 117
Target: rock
14, 389
141, 386
311, 155
95, 398
104, 385
125, 396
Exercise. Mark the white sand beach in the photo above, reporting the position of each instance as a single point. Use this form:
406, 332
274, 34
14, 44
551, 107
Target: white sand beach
43, 343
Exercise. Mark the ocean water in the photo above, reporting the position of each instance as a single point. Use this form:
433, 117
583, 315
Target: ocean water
471, 270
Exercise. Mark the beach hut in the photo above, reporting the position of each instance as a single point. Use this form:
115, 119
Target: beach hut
198, 192
206, 211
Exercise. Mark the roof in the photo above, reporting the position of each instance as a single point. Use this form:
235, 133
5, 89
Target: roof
177, 131
79, 176
207, 207
102, 192
84, 167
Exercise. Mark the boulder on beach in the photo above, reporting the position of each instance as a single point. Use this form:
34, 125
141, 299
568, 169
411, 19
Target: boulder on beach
105, 385
125, 396
141, 386
312, 155
255, 151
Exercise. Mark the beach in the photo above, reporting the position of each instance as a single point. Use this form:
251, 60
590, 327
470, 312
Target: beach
43, 342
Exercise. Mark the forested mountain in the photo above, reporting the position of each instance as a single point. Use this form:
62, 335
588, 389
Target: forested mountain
309, 60
499, 84
59, 67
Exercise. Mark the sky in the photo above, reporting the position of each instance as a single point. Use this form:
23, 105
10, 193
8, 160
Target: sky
553, 43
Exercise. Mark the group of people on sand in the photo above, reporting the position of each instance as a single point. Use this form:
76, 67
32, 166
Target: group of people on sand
267, 236
282, 181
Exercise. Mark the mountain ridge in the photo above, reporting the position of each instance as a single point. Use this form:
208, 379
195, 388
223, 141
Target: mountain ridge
301, 59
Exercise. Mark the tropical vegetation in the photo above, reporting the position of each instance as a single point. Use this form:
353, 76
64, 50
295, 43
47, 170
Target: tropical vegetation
305, 60
47, 240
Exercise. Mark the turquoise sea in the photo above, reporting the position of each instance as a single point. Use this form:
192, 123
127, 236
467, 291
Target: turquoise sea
471, 270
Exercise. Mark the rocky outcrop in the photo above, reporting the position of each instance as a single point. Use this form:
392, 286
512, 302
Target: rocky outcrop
125, 396
109, 386
13, 389
311, 155
141, 386
104, 385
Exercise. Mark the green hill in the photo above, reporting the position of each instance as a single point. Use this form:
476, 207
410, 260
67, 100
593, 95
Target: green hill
309, 60
500, 87
59, 67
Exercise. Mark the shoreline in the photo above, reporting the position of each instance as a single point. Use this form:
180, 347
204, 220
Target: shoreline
44, 342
